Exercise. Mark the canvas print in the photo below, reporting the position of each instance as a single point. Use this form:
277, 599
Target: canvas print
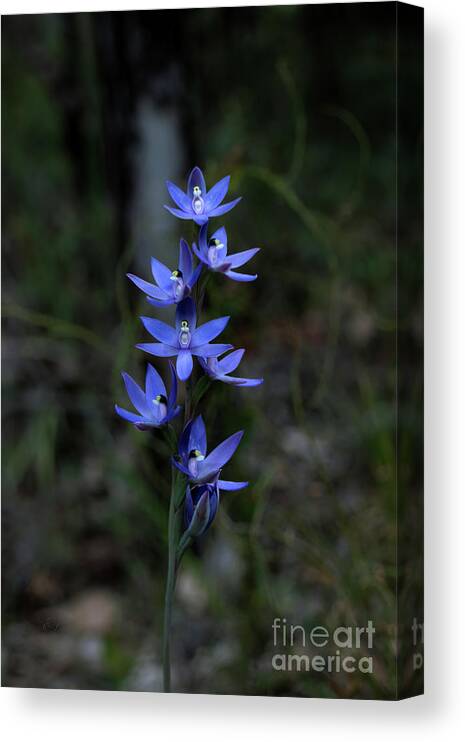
212, 254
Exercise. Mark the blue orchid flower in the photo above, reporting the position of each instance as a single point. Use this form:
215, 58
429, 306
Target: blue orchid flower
185, 340
200, 507
213, 253
198, 203
219, 370
155, 408
199, 466
170, 287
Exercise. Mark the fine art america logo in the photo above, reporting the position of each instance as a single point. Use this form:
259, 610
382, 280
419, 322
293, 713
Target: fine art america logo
322, 650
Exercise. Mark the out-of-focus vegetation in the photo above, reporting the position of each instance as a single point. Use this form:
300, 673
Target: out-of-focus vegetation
297, 103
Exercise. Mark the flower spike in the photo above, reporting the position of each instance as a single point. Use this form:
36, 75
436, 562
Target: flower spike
195, 494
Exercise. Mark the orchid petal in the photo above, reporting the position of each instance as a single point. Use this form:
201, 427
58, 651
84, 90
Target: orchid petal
223, 484
196, 179
184, 363
231, 361
211, 350
153, 384
203, 246
198, 436
136, 395
180, 214
194, 278
184, 438
146, 287
129, 416
162, 350
201, 517
165, 303
180, 198
160, 330
221, 454
173, 388
242, 257
162, 275
222, 236
200, 218
214, 502
241, 277
216, 194
244, 382
208, 331
179, 465
232, 380
199, 253
185, 311
185, 260
219, 210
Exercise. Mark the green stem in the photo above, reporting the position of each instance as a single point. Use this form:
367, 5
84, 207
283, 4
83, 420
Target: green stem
201, 289
174, 534
188, 399
174, 529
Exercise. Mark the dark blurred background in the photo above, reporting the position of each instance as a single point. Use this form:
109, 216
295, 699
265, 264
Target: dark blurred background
298, 105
